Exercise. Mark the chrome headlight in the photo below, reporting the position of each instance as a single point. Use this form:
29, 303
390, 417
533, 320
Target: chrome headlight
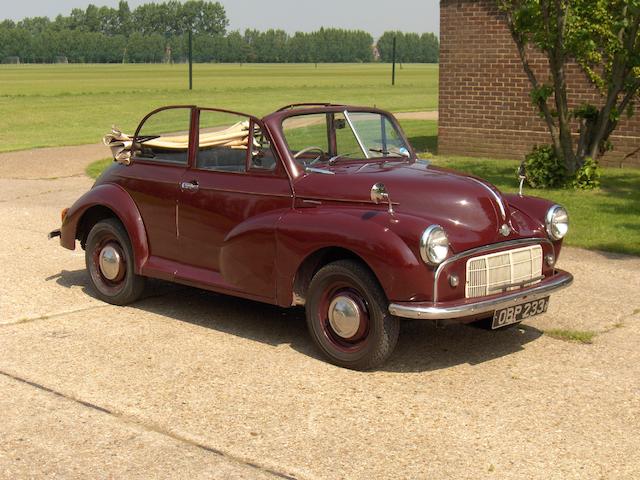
557, 222
434, 245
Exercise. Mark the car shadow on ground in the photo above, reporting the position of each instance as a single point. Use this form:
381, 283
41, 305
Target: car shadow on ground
422, 346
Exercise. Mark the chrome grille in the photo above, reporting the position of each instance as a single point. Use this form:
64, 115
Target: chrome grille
489, 274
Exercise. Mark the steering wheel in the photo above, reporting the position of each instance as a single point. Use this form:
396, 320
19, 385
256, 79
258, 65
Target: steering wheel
307, 150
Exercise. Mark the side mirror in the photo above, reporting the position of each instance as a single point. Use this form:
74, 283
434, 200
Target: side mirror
379, 194
522, 176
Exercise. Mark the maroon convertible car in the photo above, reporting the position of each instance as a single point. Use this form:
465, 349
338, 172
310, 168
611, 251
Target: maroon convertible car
320, 205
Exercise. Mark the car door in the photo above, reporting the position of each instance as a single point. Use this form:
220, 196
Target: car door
231, 199
159, 161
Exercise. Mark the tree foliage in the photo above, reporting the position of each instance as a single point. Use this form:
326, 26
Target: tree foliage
410, 47
602, 38
149, 32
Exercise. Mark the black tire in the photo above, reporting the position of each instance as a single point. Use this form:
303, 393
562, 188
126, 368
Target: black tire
377, 331
127, 287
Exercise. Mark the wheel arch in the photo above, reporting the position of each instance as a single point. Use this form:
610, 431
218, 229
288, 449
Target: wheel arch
102, 202
308, 236
318, 259
90, 217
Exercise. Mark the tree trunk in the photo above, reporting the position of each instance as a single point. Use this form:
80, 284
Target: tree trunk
541, 103
557, 62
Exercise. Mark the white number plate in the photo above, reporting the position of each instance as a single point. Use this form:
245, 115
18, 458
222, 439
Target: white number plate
518, 313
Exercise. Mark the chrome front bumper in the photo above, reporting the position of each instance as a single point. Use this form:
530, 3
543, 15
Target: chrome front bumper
474, 306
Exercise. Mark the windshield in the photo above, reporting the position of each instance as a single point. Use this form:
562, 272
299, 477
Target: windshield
321, 138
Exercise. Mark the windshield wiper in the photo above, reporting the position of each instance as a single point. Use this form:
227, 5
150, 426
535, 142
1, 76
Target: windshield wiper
335, 158
388, 153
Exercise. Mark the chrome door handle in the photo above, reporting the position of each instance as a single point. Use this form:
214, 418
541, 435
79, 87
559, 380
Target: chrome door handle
189, 186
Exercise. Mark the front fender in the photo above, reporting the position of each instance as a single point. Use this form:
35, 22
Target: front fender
116, 199
368, 234
536, 209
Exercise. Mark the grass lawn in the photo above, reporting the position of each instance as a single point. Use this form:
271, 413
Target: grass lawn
52, 105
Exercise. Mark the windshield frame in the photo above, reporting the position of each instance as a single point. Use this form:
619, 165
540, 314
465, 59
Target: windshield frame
283, 116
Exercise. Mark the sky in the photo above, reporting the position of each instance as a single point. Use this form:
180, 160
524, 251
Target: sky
374, 16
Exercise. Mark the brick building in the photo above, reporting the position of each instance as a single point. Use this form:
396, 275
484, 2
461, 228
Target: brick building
485, 109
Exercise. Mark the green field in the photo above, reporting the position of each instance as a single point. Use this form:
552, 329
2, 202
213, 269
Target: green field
52, 105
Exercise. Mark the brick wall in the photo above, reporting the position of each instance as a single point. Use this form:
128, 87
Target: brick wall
485, 109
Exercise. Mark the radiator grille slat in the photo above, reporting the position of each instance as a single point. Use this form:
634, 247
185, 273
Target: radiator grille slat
488, 273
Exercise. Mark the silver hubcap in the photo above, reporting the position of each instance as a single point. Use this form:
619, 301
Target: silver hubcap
344, 316
110, 262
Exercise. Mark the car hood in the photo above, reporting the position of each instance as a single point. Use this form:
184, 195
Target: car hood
471, 210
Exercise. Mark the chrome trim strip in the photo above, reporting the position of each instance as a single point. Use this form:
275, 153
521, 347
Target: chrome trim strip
148, 179
434, 312
319, 170
244, 192
503, 210
355, 133
177, 219
484, 248
345, 200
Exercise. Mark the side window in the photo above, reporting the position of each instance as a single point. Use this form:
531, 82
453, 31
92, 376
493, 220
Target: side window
164, 136
223, 140
262, 157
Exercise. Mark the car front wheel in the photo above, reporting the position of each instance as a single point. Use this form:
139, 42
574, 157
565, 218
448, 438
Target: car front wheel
348, 318
109, 259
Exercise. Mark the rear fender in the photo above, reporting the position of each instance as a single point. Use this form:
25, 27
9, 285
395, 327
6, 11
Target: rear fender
119, 202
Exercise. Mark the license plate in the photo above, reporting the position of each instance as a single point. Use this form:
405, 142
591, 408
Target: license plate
518, 313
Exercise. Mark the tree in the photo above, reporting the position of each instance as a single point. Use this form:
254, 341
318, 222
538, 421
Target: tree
235, 48
105, 34
203, 17
602, 38
410, 47
429, 48
123, 26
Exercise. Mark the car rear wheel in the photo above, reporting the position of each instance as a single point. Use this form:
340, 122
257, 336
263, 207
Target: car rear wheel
109, 259
348, 318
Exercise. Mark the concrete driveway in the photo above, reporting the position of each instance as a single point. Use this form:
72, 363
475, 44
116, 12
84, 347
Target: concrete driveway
190, 384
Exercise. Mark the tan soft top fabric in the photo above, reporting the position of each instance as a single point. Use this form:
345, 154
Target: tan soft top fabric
236, 136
